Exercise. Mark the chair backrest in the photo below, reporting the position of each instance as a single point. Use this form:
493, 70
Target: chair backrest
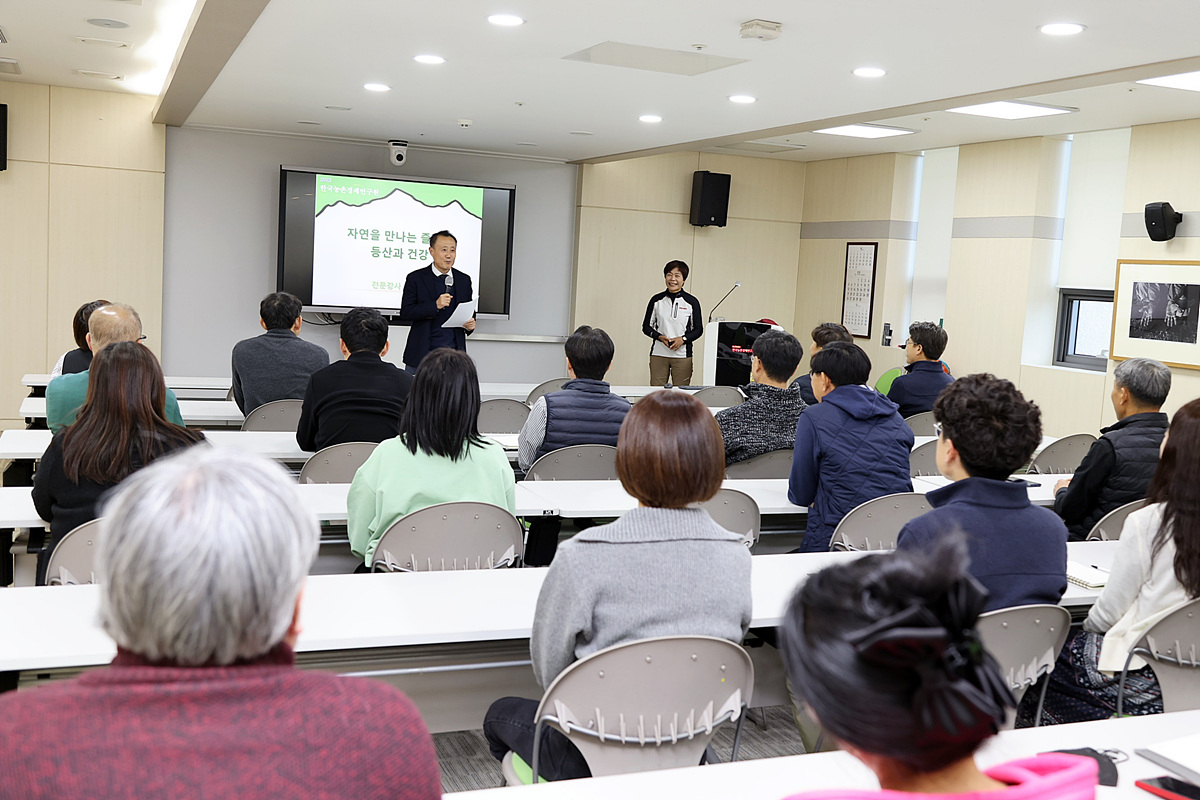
650, 704
502, 415
1025, 641
229, 394
921, 424
1108, 528
74, 557
923, 460
1062, 456
875, 524
579, 462
1172, 645
277, 415
336, 463
451, 536
736, 512
545, 387
884, 384
720, 396
775, 464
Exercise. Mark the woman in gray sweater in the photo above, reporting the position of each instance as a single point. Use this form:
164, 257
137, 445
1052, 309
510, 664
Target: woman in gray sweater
662, 569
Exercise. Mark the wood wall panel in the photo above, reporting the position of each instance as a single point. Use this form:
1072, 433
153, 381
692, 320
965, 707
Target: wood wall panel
28, 120
998, 179
653, 183
846, 189
985, 304
1071, 400
761, 188
1164, 164
105, 129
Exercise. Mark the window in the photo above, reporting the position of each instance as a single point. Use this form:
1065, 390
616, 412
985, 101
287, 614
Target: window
1084, 329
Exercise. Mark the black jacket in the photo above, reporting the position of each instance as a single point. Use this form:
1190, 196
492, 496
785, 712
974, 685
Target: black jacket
356, 400
695, 325
418, 306
584, 411
921, 384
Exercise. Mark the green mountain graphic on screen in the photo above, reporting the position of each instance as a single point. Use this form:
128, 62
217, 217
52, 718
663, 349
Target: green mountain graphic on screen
334, 189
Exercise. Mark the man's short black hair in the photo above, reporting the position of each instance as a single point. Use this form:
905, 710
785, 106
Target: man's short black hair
780, 354
845, 364
279, 310
364, 330
590, 351
679, 265
433, 237
826, 333
993, 427
931, 337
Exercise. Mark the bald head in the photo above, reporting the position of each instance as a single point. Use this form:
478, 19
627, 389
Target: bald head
115, 322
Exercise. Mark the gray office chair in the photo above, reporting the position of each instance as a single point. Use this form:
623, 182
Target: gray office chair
648, 705
1063, 456
278, 415
875, 524
923, 460
229, 395
545, 387
336, 463
921, 424
451, 536
737, 513
502, 415
1172, 646
579, 462
720, 396
775, 464
1108, 528
74, 557
1025, 641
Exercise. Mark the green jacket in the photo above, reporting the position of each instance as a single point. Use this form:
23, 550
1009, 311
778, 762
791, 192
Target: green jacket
65, 396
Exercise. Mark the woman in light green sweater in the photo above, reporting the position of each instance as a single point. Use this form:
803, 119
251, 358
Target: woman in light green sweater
439, 456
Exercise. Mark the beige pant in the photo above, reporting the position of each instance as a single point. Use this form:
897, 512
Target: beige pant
679, 369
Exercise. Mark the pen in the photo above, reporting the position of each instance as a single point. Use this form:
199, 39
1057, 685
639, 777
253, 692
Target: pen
1102, 569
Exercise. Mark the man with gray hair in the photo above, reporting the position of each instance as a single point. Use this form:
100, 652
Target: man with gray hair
202, 559
115, 322
1118, 467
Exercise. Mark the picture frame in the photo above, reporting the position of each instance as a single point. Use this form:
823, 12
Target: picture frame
1156, 312
858, 288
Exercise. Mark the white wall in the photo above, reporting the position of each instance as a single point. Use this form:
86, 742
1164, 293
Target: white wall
221, 228
935, 226
1095, 201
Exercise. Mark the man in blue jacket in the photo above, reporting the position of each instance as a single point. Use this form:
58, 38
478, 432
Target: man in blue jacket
430, 296
850, 448
923, 378
987, 429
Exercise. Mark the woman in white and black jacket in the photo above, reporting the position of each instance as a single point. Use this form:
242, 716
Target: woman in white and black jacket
673, 320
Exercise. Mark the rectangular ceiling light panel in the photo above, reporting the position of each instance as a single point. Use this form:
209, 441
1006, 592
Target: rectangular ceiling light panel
652, 59
865, 131
1186, 80
1006, 109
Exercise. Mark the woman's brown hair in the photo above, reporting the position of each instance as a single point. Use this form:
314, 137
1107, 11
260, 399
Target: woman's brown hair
670, 452
123, 423
1176, 485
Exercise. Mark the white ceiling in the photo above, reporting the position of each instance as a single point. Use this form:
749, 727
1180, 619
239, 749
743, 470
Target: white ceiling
303, 55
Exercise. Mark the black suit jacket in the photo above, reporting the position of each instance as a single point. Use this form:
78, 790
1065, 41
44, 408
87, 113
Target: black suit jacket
356, 400
418, 307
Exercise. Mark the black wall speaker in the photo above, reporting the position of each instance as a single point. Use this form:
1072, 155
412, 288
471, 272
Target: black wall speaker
3, 137
1161, 220
710, 198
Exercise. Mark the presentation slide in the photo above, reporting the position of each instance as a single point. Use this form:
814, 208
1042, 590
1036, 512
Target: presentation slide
369, 234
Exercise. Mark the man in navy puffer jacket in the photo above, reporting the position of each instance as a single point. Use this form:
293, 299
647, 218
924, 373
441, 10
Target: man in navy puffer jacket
853, 446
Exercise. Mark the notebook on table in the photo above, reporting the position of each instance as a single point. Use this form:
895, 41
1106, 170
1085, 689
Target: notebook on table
1085, 576
1181, 756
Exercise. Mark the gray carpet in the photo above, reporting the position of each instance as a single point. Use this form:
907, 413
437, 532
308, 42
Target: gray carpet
467, 764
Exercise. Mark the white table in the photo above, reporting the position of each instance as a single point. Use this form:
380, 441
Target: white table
520, 391
174, 383
1040, 494
1046, 442
609, 498
194, 412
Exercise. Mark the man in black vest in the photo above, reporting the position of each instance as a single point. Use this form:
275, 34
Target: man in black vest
430, 296
1118, 468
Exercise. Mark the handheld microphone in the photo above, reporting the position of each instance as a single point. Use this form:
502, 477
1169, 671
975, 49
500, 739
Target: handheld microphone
722, 300
450, 282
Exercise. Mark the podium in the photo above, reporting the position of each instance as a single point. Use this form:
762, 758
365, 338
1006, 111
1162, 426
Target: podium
728, 346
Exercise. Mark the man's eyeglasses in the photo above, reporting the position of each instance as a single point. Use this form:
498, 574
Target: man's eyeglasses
937, 429
142, 338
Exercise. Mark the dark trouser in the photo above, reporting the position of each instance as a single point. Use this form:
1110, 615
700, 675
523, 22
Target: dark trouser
542, 541
509, 725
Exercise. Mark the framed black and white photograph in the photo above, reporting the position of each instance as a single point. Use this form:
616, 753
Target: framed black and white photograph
1156, 312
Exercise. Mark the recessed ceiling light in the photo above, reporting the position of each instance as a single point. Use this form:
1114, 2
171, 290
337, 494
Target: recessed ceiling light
506, 21
870, 72
650, 118
101, 42
377, 87
1184, 80
337, 108
1011, 109
866, 131
429, 59
107, 23
741, 98
1062, 28
105, 76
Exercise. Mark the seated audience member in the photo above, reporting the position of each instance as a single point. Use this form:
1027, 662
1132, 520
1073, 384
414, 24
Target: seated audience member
885, 653
987, 430
609, 584
850, 448
121, 427
438, 456
824, 334
584, 411
767, 420
1118, 467
359, 399
924, 377
80, 358
201, 561
1155, 570
115, 322
275, 365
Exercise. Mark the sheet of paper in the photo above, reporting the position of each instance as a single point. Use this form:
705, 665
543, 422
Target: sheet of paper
461, 314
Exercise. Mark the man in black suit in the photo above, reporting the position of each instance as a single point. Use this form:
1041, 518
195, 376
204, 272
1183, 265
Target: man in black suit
430, 297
